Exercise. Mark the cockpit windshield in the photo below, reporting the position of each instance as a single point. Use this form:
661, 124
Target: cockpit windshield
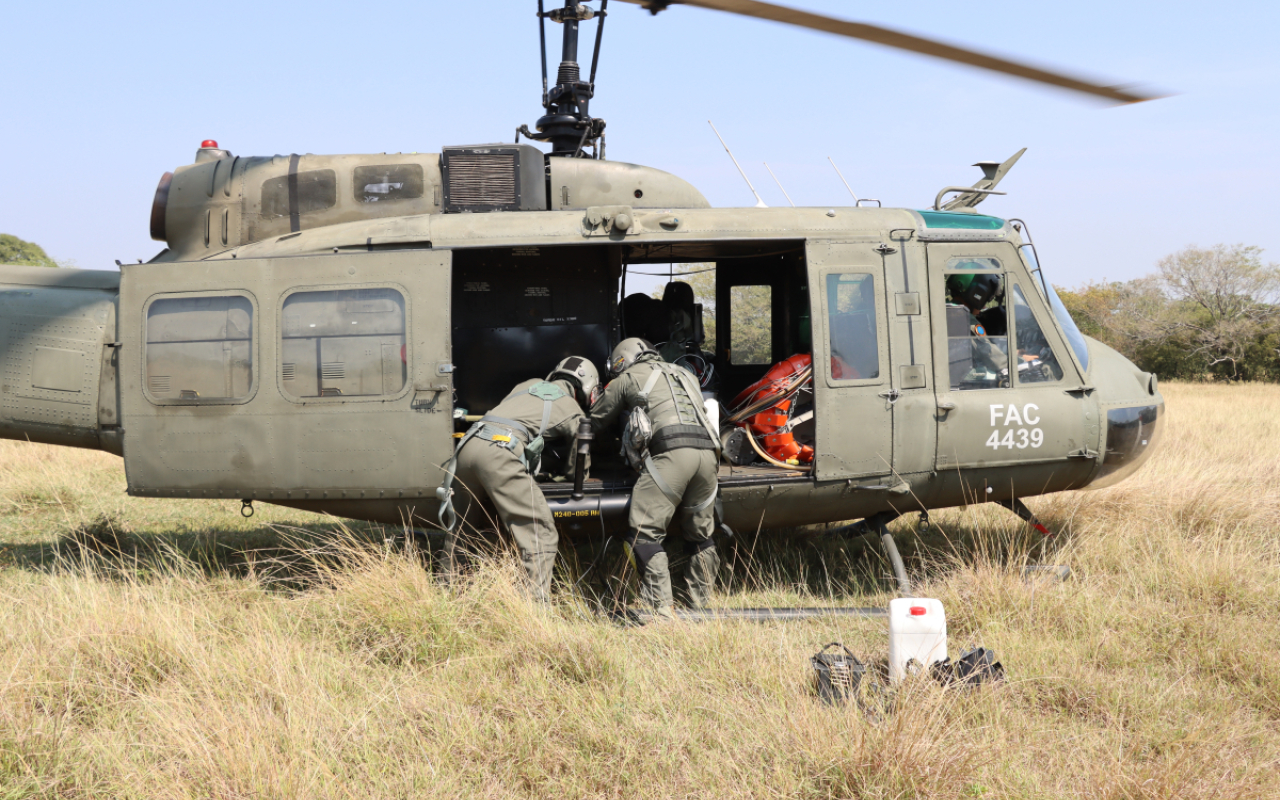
1074, 337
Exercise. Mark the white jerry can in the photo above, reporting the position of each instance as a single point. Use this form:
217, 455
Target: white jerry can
917, 632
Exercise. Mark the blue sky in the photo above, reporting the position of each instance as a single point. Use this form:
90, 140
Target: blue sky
104, 98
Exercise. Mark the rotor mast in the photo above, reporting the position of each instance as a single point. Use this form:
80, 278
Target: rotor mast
567, 123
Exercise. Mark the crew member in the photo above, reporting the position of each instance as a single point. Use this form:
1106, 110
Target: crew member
678, 468
681, 338
974, 291
499, 457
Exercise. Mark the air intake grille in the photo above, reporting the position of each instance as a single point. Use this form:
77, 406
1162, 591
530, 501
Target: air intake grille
482, 180
288, 371
493, 177
333, 370
159, 384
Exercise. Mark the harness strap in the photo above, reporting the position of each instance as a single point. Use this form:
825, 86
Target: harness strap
649, 384
701, 506
446, 516
546, 416
519, 427
657, 479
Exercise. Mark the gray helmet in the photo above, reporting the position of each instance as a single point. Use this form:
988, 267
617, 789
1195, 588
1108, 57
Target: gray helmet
627, 353
583, 373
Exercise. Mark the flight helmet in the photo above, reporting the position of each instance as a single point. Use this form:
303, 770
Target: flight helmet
973, 290
583, 374
627, 353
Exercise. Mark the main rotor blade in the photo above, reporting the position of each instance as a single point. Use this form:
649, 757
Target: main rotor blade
901, 41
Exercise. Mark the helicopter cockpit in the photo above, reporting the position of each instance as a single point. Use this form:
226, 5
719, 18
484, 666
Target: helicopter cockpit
979, 330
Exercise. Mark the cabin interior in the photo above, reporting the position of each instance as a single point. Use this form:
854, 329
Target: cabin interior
516, 312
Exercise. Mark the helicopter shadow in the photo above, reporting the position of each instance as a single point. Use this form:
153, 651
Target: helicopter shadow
284, 557
818, 562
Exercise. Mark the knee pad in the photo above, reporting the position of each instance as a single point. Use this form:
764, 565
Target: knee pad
691, 549
644, 552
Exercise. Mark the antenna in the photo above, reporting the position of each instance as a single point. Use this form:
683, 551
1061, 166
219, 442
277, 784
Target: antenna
760, 203
775, 180
842, 180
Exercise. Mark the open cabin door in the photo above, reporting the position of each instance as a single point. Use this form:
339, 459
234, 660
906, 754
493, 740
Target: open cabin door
852, 382
298, 380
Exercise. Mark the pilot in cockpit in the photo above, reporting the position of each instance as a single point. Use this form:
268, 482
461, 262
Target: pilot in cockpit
987, 326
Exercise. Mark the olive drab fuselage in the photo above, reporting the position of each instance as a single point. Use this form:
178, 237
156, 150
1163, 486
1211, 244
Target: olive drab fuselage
286, 351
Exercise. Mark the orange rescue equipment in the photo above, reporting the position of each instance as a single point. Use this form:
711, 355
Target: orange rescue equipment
772, 398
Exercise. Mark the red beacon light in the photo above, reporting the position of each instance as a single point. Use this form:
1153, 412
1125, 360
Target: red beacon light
209, 143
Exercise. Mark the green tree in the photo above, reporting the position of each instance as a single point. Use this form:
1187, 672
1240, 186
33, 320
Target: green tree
1206, 311
1226, 302
16, 251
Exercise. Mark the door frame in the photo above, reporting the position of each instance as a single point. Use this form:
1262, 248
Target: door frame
854, 416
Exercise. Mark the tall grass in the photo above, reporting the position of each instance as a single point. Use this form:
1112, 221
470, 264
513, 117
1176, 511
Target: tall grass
167, 649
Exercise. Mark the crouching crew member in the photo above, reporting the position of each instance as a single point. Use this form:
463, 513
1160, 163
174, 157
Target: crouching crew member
499, 457
668, 438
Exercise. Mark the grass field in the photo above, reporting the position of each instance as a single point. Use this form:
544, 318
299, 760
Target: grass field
182, 651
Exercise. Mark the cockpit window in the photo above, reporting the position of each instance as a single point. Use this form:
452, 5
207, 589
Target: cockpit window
1074, 337
1035, 360
970, 264
977, 326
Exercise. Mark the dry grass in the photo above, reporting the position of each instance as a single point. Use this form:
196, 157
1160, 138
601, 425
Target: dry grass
172, 649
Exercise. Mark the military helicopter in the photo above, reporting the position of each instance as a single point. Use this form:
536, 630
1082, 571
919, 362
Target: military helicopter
319, 328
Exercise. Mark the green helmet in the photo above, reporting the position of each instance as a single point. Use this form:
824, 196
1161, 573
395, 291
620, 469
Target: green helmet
583, 374
973, 289
627, 353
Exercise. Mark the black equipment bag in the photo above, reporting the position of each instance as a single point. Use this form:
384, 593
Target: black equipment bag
838, 675
974, 666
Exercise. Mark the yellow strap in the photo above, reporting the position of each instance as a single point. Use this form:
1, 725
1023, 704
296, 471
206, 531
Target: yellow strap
500, 438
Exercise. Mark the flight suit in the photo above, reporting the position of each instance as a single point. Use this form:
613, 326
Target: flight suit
490, 464
684, 456
986, 352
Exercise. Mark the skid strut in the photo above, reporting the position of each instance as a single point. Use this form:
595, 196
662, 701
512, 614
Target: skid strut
1020, 508
878, 523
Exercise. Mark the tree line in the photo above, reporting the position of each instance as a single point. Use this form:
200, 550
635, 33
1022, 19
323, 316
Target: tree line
1205, 313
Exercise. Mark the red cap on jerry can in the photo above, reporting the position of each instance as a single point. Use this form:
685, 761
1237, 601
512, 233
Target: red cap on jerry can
917, 611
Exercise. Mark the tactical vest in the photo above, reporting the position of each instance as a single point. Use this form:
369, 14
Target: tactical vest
499, 430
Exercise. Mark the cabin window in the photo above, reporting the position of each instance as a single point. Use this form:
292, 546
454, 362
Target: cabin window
317, 190
199, 349
751, 325
1036, 361
851, 324
383, 184
343, 343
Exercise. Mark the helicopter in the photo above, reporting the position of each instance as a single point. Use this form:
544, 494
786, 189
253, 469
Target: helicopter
319, 328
